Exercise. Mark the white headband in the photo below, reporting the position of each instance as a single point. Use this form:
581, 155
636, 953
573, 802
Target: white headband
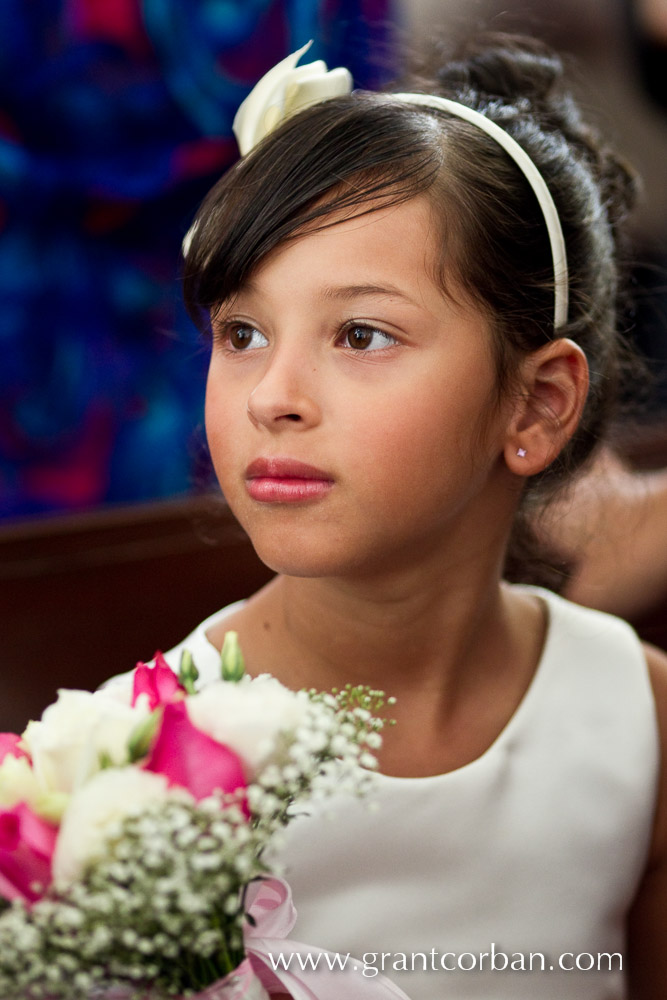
532, 175
288, 88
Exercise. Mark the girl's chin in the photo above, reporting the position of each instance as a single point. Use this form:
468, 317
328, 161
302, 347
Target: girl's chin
294, 547
296, 564
301, 556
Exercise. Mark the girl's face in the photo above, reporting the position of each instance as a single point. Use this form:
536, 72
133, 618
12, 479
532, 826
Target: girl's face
342, 355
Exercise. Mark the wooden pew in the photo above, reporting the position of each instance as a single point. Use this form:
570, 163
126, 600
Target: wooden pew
84, 597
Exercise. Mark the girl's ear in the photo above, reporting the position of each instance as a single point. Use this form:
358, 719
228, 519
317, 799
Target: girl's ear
554, 384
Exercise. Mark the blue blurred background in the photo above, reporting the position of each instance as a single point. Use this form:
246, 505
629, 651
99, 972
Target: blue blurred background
115, 119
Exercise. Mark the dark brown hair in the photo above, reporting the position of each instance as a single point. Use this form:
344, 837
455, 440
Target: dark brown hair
355, 153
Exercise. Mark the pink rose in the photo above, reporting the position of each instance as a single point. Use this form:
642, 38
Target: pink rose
27, 843
158, 682
9, 746
191, 759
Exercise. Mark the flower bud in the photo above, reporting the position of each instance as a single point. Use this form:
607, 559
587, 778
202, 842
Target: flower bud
232, 665
188, 673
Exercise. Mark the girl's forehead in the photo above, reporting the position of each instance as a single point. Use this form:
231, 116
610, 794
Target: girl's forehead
382, 239
413, 213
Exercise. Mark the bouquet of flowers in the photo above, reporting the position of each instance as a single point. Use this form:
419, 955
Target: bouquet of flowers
134, 823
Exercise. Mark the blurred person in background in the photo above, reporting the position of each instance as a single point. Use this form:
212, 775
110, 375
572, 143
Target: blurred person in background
613, 526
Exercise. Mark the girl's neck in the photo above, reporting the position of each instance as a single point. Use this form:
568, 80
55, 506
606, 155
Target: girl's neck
399, 634
403, 632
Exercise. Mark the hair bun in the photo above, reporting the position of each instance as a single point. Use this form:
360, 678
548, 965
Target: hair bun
503, 66
516, 75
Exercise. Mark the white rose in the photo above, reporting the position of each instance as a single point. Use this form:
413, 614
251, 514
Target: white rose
67, 744
284, 90
95, 808
249, 716
17, 782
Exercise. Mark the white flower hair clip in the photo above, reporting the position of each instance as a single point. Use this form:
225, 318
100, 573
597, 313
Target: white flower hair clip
284, 90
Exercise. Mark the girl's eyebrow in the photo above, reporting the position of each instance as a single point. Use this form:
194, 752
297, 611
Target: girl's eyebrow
354, 291
345, 291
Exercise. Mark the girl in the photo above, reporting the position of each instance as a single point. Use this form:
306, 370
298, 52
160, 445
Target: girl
413, 317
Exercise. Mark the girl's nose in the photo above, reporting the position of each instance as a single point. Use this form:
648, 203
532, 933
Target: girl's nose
285, 396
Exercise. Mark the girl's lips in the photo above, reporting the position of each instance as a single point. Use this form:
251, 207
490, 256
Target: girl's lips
284, 480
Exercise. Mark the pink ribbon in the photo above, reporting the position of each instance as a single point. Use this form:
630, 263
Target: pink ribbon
241, 984
272, 911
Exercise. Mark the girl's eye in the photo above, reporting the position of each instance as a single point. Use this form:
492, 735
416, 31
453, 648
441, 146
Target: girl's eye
367, 338
244, 338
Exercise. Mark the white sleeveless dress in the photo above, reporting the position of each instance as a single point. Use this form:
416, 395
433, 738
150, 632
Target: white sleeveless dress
510, 877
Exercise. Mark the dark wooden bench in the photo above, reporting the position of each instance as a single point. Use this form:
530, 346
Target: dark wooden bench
84, 597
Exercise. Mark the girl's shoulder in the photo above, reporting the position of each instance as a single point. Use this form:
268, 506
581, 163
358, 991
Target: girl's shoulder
594, 677
586, 640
